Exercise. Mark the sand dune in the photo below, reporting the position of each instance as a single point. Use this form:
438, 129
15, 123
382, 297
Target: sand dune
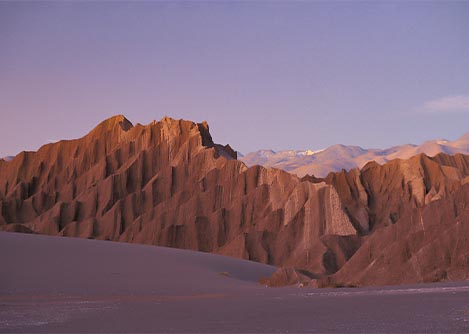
73, 266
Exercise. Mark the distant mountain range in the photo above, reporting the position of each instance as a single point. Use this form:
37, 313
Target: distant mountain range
338, 157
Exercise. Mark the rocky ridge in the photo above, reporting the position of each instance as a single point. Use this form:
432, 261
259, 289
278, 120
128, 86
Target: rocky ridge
167, 183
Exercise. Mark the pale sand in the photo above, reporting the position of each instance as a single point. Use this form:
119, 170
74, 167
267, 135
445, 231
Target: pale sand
53, 284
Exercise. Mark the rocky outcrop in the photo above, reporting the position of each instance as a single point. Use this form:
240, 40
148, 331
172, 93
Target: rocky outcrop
168, 184
380, 195
415, 219
288, 276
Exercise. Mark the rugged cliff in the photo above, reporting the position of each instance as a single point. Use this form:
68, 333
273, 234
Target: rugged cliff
167, 183
414, 217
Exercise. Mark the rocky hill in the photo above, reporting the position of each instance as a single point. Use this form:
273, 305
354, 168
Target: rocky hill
413, 217
167, 183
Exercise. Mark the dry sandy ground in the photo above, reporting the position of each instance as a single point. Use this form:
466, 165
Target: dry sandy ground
53, 284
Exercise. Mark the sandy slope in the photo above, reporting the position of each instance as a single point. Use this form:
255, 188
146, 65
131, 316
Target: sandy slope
42, 264
52, 284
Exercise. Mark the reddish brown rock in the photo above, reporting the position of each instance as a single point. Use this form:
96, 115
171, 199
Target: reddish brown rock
168, 184
288, 276
418, 221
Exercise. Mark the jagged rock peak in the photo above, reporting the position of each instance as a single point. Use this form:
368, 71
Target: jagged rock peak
112, 122
118, 128
174, 127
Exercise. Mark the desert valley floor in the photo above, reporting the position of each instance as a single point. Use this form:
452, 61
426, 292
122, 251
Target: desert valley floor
55, 284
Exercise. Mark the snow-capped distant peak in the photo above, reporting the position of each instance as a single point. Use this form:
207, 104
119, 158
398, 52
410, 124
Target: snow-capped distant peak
308, 152
338, 157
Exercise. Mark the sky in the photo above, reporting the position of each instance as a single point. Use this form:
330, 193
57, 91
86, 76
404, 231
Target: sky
264, 74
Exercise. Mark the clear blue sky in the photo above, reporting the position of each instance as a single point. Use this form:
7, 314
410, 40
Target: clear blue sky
280, 75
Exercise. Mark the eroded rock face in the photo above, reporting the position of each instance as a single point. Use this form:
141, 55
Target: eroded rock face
428, 244
418, 221
167, 183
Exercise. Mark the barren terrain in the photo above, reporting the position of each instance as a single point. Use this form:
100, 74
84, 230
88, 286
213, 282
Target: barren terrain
56, 285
